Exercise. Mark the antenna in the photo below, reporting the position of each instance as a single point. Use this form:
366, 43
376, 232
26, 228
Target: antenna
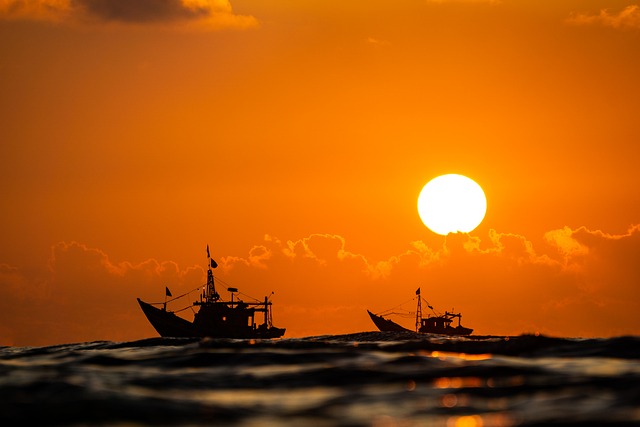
232, 291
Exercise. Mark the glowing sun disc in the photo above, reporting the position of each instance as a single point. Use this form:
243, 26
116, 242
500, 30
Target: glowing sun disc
452, 203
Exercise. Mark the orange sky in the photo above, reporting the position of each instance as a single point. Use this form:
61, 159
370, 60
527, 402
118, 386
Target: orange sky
294, 138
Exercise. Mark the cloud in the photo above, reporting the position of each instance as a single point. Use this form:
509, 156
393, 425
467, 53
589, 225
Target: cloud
627, 18
82, 295
39, 10
609, 261
502, 283
580, 283
377, 42
198, 14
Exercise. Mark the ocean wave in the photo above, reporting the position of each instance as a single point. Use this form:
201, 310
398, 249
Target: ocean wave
362, 379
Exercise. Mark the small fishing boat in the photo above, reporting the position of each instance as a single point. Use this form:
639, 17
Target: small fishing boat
216, 318
436, 323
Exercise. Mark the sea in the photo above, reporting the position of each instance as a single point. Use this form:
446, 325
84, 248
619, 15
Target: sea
361, 379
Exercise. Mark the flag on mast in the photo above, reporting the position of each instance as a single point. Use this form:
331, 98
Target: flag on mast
213, 264
418, 291
208, 256
167, 291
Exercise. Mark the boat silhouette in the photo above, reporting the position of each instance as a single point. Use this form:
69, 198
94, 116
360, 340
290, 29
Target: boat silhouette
215, 318
437, 323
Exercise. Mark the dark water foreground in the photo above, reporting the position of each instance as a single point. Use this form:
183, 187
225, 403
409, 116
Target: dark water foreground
366, 379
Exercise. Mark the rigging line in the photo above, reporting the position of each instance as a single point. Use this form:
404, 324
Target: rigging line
390, 312
407, 314
227, 284
437, 313
175, 298
249, 296
393, 308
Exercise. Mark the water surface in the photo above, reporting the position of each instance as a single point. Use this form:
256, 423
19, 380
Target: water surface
365, 379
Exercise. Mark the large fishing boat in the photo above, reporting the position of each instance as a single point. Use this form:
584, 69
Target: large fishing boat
435, 323
215, 317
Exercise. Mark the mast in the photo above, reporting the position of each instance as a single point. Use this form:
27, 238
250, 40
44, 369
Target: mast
210, 294
266, 311
419, 311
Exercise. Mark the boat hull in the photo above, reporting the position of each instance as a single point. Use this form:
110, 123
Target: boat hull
168, 324
386, 325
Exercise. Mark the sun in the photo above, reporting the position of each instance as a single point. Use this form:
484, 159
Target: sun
452, 203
